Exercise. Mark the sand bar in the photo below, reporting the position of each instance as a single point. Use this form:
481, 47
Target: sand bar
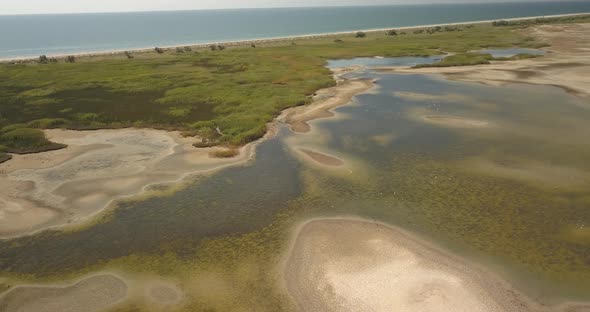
358, 265
324, 101
91, 294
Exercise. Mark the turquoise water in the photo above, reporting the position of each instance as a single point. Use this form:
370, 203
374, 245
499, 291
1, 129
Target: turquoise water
33, 35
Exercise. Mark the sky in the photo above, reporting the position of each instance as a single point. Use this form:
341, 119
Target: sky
79, 6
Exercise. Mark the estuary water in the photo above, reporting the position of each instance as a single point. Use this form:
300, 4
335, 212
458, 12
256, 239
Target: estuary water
33, 35
485, 171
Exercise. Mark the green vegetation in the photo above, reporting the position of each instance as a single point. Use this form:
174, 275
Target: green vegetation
544, 20
235, 89
25, 140
225, 153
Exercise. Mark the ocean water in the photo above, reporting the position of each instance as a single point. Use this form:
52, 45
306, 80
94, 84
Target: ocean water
33, 35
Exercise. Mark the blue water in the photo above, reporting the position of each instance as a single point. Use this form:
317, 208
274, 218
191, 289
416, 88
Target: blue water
385, 61
511, 52
32, 35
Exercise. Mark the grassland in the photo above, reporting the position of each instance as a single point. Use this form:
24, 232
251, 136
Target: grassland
224, 96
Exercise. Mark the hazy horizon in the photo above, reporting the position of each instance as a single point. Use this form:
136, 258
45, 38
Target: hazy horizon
31, 7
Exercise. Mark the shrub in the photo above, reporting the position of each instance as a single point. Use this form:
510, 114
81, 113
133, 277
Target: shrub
220, 47
159, 50
187, 49
213, 47
392, 32
338, 40
253, 45
224, 153
500, 23
47, 123
43, 59
179, 50
12, 127
27, 140
70, 59
360, 34
128, 54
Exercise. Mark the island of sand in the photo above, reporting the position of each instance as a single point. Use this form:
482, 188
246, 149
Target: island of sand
358, 265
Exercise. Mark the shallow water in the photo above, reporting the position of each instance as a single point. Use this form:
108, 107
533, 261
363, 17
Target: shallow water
488, 172
511, 52
383, 61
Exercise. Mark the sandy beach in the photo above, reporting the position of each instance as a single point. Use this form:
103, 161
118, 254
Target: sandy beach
70, 185
359, 265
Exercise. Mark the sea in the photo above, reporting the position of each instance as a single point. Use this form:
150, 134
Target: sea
58, 34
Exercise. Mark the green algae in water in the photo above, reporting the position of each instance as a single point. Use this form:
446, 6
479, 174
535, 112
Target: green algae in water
526, 211
502, 191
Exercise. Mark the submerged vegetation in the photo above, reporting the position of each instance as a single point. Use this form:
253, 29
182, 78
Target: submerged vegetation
236, 90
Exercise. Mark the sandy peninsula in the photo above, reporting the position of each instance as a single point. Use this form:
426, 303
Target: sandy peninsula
358, 265
324, 101
70, 185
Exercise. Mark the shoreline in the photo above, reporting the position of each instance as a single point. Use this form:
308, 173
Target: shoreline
493, 291
245, 42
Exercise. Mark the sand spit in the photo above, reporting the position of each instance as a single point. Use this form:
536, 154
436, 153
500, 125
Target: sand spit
72, 184
455, 121
324, 101
96, 293
566, 66
357, 265
322, 158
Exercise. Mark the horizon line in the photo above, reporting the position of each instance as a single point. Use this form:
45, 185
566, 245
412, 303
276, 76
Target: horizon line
450, 2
